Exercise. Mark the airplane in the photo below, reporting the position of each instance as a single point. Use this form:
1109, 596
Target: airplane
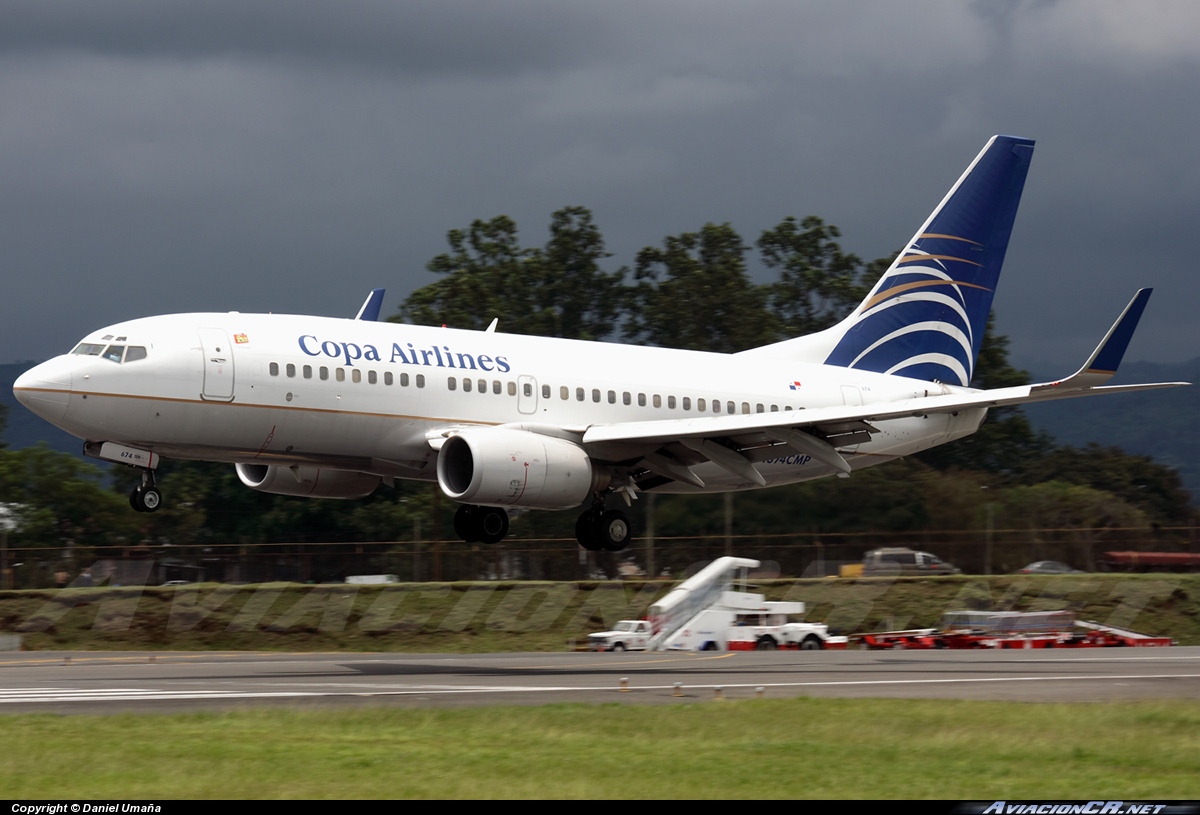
330, 408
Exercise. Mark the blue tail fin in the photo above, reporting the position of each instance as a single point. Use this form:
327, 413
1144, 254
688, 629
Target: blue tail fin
926, 316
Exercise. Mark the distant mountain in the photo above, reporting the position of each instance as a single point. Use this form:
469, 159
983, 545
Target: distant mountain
1159, 424
24, 428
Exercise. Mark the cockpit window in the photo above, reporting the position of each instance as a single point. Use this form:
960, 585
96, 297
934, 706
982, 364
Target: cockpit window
89, 349
135, 352
114, 353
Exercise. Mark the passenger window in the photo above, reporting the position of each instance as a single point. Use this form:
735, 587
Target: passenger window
527, 389
700, 405
564, 393
745, 407
774, 408
595, 394
387, 377
641, 400
291, 370
404, 380
323, 373
545, 391
612, 397
716, 406
731, 407
356, 375
452, 383
338, 373
579, 394
274, 369
758, 408
371, 377
657, 401
134, 353
496, 388
626, 398
308, 372
687, 403
671, 402
466, 385
482, 385
420, 380
512, 388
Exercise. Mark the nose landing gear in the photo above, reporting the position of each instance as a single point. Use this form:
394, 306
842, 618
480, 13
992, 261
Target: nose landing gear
145, 497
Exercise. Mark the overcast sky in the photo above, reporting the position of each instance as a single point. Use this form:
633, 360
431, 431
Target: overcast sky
289, 156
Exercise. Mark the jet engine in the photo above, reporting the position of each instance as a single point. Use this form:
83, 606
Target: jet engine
496, 466
313, 482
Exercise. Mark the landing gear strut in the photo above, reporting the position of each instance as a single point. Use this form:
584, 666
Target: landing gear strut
600, 530
475, 524
146, 497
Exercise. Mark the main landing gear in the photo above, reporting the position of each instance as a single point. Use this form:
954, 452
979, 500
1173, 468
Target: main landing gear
146, 497
603, 530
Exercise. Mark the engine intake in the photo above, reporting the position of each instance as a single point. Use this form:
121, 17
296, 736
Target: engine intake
313, 482
496, 466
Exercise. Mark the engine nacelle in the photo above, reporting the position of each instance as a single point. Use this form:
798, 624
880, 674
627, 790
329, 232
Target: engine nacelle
312, 482
497, 466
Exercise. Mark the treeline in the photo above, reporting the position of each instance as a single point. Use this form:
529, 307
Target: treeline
691, 291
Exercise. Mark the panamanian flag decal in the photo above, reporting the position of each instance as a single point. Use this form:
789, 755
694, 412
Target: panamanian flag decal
794, 386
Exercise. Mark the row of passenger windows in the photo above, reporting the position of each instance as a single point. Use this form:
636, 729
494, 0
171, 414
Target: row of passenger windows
581, 395
339, 375
497, 387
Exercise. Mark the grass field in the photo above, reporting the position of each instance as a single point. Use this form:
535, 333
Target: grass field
798, 748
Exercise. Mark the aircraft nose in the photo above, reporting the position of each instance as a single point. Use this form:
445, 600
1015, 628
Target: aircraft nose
45, 389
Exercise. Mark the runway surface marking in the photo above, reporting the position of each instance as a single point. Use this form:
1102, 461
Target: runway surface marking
47, 695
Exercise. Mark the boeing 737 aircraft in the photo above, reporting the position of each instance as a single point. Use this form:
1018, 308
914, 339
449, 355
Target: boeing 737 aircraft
324, 407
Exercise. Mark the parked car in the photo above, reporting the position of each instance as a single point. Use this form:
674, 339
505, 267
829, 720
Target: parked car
900, 560
1048, 567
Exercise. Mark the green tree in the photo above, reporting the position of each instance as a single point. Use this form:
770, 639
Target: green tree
694, 293
818, 283
558, 291
3, 425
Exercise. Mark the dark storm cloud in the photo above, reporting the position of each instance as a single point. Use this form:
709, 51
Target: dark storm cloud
289, 156
452, 36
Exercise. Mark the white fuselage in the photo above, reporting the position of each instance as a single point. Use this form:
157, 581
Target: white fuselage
366, 396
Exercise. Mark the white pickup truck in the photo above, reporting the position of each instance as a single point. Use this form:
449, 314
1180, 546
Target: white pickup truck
629, 635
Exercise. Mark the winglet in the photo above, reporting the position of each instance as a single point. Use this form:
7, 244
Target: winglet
1104, 361
370, 307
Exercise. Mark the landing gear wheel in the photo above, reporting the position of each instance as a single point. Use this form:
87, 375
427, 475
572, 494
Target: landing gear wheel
612, 532
491, 524
464, 523
151, 499
145, 498
585, 531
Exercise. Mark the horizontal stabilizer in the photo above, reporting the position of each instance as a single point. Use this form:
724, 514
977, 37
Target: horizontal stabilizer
370, 307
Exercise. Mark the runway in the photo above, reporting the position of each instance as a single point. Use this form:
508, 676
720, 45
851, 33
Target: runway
94, 682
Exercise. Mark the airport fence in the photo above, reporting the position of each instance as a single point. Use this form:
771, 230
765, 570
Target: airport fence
999, 551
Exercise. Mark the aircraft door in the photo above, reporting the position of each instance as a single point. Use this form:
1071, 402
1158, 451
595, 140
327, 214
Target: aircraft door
527, 394
218, 364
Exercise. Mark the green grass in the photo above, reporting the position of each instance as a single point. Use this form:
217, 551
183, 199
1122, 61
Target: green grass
798, 748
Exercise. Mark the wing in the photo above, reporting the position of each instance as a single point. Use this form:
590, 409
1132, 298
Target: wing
736, 442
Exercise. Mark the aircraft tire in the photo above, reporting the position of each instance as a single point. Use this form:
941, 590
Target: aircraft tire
585, 531
464, 523
491, 524
613, 530
150, 499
